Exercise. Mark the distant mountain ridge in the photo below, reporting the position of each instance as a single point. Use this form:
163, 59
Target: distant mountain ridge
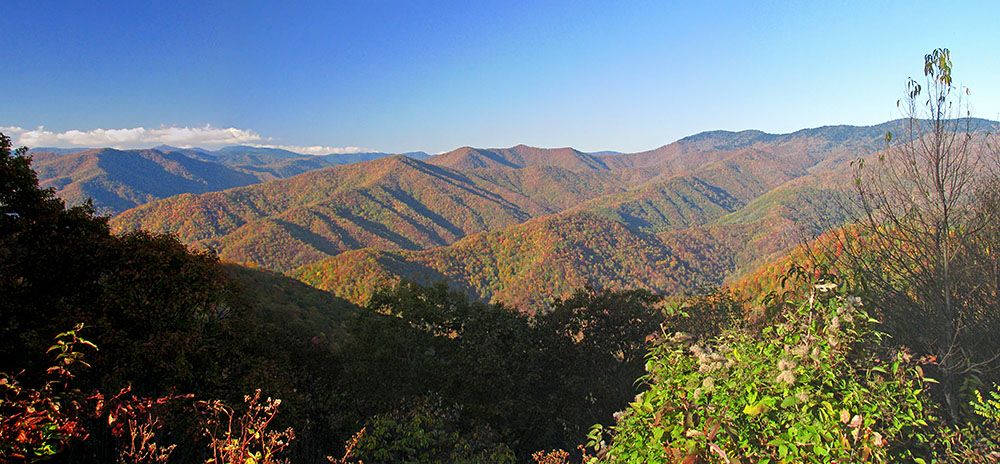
117, 180
521, 225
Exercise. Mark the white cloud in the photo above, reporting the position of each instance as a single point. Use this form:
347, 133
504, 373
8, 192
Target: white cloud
206, 136
316, 149
140, 137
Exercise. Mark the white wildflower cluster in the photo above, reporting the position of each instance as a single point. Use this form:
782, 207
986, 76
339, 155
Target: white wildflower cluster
709, 360
678, 338
786, 376
801, 350
806, 351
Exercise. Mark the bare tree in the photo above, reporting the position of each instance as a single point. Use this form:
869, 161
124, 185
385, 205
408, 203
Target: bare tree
929, 225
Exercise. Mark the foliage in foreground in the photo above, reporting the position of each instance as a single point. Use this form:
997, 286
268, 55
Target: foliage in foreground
806, 389
41, 423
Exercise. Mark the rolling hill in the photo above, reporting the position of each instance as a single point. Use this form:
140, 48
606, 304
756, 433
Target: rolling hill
521, 225
389, 203
117, 180
525, 265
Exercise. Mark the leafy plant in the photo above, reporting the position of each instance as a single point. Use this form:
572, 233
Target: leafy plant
802, 389
429, 431
36, 423
989, 408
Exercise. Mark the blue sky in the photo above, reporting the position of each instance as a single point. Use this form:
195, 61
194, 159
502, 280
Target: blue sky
433, 76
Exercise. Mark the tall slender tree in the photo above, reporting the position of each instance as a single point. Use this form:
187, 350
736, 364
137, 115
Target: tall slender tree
930, 228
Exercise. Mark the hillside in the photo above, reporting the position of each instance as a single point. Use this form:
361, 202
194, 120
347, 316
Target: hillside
117, 180
390, 203
299, 308
525, 265
717, 204
697, 197
518, 157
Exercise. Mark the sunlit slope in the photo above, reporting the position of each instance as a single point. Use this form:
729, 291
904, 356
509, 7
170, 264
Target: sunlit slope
699, 197
554, 187
519, 156
524, 265
719, 202
527, 264
390, 203
768, 226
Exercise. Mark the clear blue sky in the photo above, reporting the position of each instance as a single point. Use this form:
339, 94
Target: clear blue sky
436, 75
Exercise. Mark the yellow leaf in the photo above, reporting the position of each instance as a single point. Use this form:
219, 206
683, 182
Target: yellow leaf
753, 410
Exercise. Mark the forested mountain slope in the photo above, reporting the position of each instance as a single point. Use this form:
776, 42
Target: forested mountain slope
518, 157
117, 180
525, 265
713, 205
390, 203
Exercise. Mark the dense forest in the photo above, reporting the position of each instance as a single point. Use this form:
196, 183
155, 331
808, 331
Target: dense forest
524, 327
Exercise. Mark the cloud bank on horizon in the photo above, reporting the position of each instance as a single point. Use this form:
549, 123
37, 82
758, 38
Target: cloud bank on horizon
206, 136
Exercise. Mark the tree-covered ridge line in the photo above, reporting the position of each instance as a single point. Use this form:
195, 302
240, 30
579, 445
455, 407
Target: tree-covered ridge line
424, 372
117, 180
121, 179
528, 264
165, 319
399, 204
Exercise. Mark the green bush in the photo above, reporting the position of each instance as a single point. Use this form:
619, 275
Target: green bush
428, 432
807, 388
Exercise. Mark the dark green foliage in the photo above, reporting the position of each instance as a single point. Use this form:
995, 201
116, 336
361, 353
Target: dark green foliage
47, 259
537, 382
165, 318
427, 431
707, 313
610, 330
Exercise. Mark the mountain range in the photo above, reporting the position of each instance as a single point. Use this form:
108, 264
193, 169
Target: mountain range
518, 225
116, 180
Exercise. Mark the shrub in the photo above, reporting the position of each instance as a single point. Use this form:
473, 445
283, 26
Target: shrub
803, 389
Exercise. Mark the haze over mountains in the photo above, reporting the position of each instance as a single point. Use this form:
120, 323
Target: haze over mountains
117, 180
517, 225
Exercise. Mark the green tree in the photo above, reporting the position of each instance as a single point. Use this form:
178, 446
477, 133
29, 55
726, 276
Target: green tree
610, 331
47, 260
164, 316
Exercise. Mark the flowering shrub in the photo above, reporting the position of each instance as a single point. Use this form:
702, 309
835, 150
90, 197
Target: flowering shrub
799, 390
